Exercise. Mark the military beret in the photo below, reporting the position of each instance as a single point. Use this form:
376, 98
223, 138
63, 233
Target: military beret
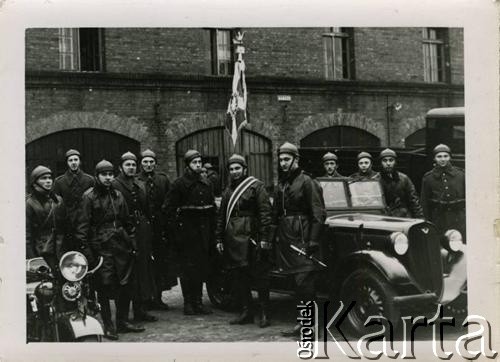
148, 153
289, 148
38, 172
441, 148
235, 158
190, 155
128, 156
330, 157
388, 153
208, 166
103, 166
364, 155
72, 152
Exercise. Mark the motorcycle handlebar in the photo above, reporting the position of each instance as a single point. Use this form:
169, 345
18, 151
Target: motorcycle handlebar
101, 259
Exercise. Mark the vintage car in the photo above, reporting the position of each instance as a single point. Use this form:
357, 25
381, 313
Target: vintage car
390, 266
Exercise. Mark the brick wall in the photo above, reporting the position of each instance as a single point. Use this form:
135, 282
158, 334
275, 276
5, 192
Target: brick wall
381, 54
42, 49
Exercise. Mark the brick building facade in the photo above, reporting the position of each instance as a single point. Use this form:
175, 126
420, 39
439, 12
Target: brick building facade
168, 88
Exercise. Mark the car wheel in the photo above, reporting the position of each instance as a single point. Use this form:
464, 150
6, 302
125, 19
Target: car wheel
219, 291
373, 297
90, 338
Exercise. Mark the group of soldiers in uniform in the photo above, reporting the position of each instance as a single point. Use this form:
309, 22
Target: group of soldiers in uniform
149, 232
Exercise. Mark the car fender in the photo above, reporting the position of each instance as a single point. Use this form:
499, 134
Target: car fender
390, 267
455, 281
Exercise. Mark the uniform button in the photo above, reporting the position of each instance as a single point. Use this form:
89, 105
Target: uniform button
445, 180
446, 187
448, 195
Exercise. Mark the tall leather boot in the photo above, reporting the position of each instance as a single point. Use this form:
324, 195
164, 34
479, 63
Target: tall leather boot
295, 330
123, 325
264, 308
187, 296
245, 297
197, 290
109, 327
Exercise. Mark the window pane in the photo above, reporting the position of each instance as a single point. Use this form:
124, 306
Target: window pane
224, 51
328, 56
337, 65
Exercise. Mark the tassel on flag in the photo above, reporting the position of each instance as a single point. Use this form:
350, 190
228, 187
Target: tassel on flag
236, 116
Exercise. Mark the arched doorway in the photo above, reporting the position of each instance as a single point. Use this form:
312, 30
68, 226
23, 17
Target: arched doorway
345, 141
340, 136
93, 144
216, 146
416, 139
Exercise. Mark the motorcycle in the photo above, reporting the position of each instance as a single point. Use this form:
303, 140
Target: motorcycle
60, 304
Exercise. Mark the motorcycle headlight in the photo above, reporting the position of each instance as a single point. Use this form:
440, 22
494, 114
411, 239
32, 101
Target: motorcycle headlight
73, 266
454, 238
71, 291
399, 242
44, 292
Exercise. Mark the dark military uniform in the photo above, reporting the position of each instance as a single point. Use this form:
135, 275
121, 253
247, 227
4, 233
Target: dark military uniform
248, 225
299, 214
370, 175
134, 192
110, 235
443, 198
46, 224
71, 186
191, 224
157, 187
400, 195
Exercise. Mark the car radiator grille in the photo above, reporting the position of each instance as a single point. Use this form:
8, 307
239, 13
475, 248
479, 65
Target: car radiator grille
424, 258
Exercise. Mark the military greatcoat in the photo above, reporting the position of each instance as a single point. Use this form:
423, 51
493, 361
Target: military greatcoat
191, 221
299, 215
443, 198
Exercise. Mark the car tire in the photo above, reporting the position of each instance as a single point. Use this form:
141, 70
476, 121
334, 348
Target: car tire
373, 296
457, 308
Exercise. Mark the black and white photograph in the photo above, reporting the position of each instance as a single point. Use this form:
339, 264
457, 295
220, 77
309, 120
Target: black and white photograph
304, 186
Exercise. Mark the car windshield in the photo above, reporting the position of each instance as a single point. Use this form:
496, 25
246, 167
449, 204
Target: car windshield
366, 194
334, 194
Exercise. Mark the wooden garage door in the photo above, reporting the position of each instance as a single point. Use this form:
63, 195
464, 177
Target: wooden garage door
216, 147
93, 144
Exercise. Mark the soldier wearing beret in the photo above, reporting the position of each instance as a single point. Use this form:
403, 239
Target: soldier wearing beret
109, 233
134, 192
443, 193
157, 186
242, 237
330, 165
191, 221
400, 195
365, 171
71, 186
46, 219
298, 215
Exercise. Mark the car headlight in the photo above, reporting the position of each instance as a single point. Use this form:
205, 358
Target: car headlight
71, 291
73, 266
399, 242
454, 238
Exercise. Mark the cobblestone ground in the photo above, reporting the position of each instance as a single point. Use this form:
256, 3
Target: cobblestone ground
174, 326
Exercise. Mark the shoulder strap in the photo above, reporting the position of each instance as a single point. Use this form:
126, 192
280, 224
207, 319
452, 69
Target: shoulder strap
240, 189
